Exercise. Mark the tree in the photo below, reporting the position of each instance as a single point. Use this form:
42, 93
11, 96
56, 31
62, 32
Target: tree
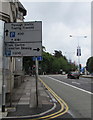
89, 65
50, 63
58, 54
43, 48
27, 64
46, 64
55, 63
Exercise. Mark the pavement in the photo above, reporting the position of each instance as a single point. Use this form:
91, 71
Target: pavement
26, 105
87, 76
24, 100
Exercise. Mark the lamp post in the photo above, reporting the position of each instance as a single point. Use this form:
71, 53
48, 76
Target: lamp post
78, 50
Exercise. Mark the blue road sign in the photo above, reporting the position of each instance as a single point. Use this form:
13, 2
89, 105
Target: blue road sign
12, 34
39, 58
8, 53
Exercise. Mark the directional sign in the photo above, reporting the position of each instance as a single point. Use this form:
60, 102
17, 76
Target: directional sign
23, 39
23, 32
23, 49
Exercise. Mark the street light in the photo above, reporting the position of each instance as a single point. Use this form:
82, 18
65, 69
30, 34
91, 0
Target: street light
78, 37
78, 50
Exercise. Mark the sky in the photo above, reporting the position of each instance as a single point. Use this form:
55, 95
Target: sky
59, 21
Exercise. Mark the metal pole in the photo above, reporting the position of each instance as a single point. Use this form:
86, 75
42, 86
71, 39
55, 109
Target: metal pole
36, 82
78, 64
3, 98
3, 80
10, 81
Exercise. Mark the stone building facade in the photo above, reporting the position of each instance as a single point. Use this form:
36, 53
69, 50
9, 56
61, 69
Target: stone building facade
12, 11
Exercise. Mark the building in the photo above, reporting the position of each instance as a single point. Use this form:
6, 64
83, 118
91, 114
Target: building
92, 28
10, 12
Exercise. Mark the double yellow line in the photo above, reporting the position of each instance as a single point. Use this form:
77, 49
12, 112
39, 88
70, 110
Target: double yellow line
64, 106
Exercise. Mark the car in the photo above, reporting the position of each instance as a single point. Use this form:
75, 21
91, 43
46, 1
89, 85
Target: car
73, 75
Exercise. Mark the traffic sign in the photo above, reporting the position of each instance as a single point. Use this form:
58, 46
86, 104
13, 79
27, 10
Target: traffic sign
39, 58
23, 49
23, 32
12, 34
23, 39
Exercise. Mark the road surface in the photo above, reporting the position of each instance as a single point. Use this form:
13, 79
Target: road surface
75, 92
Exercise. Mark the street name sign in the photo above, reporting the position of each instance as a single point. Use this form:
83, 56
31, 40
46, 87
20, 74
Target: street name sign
23, 39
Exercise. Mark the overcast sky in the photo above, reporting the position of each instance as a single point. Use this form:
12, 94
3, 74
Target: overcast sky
59, 20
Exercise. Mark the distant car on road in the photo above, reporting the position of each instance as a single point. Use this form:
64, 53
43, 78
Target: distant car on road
73, 75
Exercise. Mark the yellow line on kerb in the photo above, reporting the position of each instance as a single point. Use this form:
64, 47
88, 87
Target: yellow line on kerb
61, 102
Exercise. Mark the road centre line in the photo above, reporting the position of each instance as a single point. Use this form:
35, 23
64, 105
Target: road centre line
70, 85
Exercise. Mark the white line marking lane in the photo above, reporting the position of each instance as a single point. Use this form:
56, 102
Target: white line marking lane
70, 85
76, 83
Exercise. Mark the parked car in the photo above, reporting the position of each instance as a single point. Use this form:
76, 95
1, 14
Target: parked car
73, 75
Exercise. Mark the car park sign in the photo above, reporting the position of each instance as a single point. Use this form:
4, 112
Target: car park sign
23, 39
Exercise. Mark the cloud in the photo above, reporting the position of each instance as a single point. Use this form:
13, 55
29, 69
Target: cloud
55, 1
60, 19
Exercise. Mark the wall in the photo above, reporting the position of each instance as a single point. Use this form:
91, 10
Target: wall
91, 28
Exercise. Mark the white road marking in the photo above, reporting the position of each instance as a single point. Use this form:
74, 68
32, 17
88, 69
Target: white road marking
70, 85
37, 115
76, 83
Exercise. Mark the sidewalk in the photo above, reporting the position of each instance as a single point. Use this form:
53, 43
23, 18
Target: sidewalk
24, 99
87, 76
24, 103
2, 115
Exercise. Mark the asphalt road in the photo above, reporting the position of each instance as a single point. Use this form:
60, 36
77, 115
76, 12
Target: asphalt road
83, 83
75, 92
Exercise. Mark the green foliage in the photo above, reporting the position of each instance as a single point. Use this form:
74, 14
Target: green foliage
89, 65
27, 64
54, 63
50, 64
46, 63
58, 54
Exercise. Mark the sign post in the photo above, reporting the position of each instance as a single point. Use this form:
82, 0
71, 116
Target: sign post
24, 39
36, 59
36, 82
10, 65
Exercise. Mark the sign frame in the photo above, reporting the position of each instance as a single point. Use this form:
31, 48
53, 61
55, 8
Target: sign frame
28, 34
